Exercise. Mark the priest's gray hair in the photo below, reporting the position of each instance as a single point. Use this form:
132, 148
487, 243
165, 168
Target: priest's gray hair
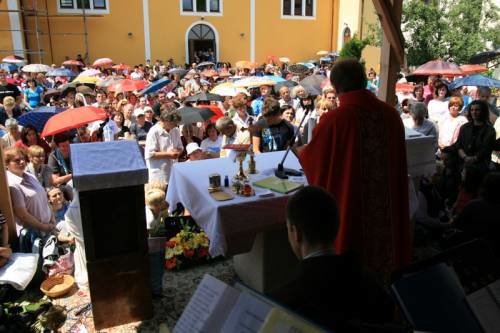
223, 122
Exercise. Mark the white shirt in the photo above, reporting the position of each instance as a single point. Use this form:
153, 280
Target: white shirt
208, 145
437, 109
495, 155
159, 140
449, 128
240, 123
136, 76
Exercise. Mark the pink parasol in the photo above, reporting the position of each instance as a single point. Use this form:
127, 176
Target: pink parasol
127, 85
72, 62
473, 69
72, 118
438, 67
102, 62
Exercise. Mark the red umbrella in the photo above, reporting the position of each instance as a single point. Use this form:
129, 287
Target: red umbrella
72, 118
102, 62
72, 62
122, 67
13, 59
209, 73
215, 109
438, 67
404, 87
127, 85
473, 69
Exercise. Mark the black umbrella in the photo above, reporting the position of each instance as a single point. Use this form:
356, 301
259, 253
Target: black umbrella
312, 84
205, 97
178, 71
190, 115
484, 57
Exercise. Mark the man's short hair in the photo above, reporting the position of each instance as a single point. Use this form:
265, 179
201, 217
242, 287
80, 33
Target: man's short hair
171, 116
61, 137
314, 212
271, 107
348, 75
223, 122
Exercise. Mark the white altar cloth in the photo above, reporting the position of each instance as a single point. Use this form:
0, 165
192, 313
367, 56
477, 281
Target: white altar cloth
230, 225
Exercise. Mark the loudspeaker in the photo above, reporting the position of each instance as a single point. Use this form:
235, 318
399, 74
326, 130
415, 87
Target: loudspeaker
109, 178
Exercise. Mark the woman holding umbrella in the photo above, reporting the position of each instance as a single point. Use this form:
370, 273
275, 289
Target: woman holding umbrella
33, 94
30, 137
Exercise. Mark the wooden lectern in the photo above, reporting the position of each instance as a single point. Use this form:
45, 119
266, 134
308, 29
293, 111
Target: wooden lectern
109, 178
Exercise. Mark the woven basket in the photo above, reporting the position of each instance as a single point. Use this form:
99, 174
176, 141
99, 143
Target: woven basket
57, 285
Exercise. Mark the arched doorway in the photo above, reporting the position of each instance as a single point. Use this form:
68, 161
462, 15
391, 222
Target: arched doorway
201, 42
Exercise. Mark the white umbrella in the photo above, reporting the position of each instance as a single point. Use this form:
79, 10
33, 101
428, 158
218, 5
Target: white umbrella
36, 68
254, 81
14, 59
228, 89
90, 72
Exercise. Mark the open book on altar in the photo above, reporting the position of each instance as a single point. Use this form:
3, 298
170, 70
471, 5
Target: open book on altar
218, 307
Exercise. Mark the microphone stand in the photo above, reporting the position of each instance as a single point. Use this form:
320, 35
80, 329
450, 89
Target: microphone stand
282, 172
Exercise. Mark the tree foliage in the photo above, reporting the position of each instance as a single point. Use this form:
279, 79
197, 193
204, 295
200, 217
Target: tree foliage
353, 48
449, 29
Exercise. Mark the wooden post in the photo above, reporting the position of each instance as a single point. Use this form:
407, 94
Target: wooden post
392, 47
5, 201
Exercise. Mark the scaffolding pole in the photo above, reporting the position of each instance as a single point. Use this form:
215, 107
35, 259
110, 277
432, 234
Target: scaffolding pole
36, 13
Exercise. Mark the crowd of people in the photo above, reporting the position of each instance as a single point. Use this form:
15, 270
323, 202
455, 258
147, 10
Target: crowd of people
267, 117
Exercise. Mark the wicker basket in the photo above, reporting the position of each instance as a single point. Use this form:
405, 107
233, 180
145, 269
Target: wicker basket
57, 285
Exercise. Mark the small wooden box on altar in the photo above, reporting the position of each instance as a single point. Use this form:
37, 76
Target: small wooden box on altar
110, 177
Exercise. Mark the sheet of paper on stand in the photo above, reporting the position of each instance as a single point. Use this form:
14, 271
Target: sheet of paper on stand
420, 153
218, 307
233, 224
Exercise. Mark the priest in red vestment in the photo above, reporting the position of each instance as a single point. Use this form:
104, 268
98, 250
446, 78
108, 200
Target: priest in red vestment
358, 154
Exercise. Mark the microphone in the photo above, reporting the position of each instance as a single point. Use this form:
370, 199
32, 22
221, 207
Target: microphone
282, 172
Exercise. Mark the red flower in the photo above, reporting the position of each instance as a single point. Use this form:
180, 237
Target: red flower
188, 252
170, 263
171, 243
202, 252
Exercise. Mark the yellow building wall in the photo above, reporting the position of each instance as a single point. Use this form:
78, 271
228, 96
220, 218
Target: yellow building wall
5, 36
297, 39
168, 30
349, 15
371, 54
107, 33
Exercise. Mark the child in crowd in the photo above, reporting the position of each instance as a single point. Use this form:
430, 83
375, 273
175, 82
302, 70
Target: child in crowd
59, 206
37, 166
156, 206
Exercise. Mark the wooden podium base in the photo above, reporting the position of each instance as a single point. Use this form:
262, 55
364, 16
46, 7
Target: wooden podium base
270, 264
120, 290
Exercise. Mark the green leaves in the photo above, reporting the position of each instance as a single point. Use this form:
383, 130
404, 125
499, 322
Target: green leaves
354, 47
449, 29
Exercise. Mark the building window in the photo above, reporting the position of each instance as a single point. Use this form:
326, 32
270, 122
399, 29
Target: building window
298, 8
201, 7
76, 6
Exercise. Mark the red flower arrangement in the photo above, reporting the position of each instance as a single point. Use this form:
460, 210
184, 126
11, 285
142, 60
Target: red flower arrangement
186, 248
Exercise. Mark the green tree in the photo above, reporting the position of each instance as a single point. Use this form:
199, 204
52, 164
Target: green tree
449, 29
354, 47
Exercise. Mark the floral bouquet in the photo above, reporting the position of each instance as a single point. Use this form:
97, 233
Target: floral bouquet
186, 248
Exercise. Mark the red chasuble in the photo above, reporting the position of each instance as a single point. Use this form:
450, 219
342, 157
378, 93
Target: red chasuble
358, 154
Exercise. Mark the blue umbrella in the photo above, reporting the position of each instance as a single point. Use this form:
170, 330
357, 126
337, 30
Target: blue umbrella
274, 78
475, 80
39, 116
155, 86
8, 67
61, 72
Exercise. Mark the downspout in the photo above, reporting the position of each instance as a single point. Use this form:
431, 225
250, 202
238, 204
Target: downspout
49, 32
25, 35
331, 27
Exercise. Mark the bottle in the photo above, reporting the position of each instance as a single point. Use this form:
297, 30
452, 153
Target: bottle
226, 181
108, 133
